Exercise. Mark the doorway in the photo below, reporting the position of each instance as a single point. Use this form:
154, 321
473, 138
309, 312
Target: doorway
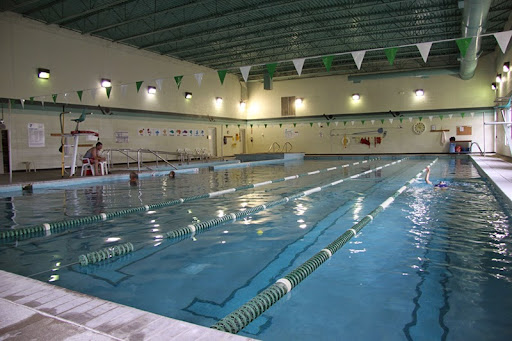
212, 141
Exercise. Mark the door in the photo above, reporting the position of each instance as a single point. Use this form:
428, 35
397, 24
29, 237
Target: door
212, 141
242, 139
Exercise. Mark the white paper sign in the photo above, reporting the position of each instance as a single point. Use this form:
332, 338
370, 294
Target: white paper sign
35, 135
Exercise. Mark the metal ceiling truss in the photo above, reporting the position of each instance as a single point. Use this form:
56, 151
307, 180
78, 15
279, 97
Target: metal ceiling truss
228, 34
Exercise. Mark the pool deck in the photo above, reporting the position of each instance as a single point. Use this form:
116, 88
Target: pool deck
33, 310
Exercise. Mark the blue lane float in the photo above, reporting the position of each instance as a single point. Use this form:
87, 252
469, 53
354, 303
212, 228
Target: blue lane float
241, 317
54, 227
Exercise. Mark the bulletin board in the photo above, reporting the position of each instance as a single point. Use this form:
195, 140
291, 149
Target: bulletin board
464, 130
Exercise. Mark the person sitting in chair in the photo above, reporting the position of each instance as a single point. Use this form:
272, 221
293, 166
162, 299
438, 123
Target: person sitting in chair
94, 157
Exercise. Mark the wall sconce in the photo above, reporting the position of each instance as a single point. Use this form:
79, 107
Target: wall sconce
494, 86
356, 97
151, 90
242, 105
43, 73
506, 67
105, 83
218, 100
498, 78
419, 93
299, 101
188, 95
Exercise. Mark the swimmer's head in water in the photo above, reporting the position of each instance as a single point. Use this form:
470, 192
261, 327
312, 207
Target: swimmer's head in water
442, 184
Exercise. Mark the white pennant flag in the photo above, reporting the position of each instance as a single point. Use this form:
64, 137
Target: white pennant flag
503, 38
373, 121
472, 114
430, 118
450, 116
299, 64
319, 124
358, 58
123, 89
199, 78
352, 122
159, 84
424, 50
43, 99
22, 103
410, 119
245, 72
93, 94
390, 120
336, 123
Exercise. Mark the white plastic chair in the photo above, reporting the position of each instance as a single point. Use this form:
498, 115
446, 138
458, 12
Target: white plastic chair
86, 165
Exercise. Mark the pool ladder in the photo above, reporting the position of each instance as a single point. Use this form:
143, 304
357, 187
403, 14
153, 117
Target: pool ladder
471, 145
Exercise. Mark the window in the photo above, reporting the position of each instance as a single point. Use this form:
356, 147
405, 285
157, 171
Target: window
288, 106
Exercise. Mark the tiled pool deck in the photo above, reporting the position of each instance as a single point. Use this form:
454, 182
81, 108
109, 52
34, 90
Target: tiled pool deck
33, 310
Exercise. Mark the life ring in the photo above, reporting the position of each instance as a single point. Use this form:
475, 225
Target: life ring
345, 141
75, 132
418, 128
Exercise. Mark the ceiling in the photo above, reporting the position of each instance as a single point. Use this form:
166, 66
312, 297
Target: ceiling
227, 34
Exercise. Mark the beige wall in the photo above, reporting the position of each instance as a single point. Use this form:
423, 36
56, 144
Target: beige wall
79, 62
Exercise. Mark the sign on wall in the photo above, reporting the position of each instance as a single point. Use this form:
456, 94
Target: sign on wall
35, 135
121, 136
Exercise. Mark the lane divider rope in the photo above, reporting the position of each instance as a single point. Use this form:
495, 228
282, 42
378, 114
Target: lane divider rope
41, 229
241, 317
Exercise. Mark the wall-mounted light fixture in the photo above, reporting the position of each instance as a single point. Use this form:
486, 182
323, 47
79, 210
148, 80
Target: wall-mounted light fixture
506, 67
498, 78
151, 90
105, 83
356, 97
218, 100
299, 101
188, 95
43, 73
242, 105
419, 92
494, 86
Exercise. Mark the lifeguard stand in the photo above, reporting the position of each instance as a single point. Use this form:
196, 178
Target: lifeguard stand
70, 143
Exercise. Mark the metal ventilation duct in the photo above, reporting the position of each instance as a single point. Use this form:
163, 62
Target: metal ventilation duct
473, 20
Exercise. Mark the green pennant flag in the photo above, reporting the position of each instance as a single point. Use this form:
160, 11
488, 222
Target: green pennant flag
178, 80
344, 123
328, 123
265, 125
362, 121
311, 124
294, 125
390, 54
382, 121
139, 83
441, 117
463, 45
327, 62
12, 102
54, 96
251, 125
108, 89
462, 114
271, 68
401, 120
222, 75
31, 99
420, 118
79, 93
238, 125
226, 126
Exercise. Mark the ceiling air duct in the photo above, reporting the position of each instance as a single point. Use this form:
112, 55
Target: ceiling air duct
473, 20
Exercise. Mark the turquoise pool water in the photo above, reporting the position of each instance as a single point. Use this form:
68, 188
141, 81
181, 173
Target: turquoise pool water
434, 265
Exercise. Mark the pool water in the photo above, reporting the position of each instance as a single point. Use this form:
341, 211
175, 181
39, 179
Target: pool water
434, 265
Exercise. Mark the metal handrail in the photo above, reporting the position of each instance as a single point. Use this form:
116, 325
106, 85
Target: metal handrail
273, 149
139, 159
471, 145
285, 147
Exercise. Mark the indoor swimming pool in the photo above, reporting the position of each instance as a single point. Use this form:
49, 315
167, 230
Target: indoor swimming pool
434, 265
